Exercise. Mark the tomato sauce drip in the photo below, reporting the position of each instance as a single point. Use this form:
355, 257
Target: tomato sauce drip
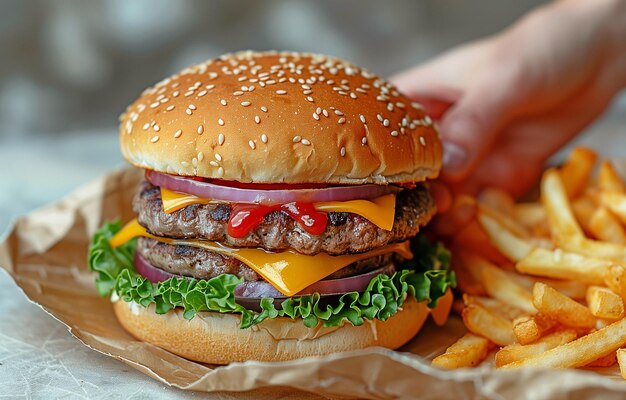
245, 217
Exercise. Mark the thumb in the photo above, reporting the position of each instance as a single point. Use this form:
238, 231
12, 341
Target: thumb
471, 126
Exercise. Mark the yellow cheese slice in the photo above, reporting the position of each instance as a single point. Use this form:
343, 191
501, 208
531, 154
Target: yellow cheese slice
288, 271
379, 211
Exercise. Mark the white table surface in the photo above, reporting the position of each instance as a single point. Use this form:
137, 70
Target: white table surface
38, 357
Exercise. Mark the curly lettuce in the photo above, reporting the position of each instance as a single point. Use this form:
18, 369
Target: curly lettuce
426, 278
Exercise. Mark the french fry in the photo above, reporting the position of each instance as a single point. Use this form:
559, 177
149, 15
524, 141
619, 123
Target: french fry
615, 279
468, 351
482, 322
513, 247
529, 214
564, 265
473, 236
508, 222
561, 308
616, 202
497, 200
516, 352
494, 306
621, 360
609, 180
603, 303
468, 280
604, 362
558, 209
583, 208
460, 213
500, 286
579, 352
575, 289
576, 170
604, 226
528, 329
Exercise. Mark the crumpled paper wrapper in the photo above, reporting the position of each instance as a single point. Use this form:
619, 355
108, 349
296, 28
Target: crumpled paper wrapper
45, 253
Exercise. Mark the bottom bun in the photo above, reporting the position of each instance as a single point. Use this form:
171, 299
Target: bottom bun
216, 338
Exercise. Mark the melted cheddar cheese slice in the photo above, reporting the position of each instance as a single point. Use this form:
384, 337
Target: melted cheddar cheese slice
379, 211
289, 272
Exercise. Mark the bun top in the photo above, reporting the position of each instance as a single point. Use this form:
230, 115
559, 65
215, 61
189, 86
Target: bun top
281, 117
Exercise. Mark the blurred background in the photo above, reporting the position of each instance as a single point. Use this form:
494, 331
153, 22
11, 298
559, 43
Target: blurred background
69, 68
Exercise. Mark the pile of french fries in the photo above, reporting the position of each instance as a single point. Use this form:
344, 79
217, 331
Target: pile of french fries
544, 283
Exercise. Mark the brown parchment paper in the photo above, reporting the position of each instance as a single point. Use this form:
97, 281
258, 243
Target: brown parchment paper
45, 253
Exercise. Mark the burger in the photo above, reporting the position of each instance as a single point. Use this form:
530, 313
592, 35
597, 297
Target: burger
280, 213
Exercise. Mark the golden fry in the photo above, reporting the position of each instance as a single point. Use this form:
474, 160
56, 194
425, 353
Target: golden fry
516, 352
514, 247
581, 351
603, 303
466, 352
500, 286
609, 180
604, 362
615, 279
529, 329
604, 226
616, 202
621, 360
576, 170
561, 308
564, 265
482, 322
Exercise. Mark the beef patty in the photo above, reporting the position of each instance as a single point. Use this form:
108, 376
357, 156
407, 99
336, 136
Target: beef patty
205, 264
345, 233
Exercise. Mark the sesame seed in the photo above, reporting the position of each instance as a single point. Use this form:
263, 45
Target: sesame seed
220, 171
194, 161
220, 139
264, 109
257, 119
427, 120
318, 110
189, 93
297, 138
342, 120
352, 95
307, 91
218, 156
309, 99
170, 108
238, 93
417, 106
188, 111
184, 164
362, 118
221, 122
337, 112
251, 89
192, 107
316, 117
379, 117
400, 104
200, 156
394, 133
386, 122
305, 142
264, 138
390, 106
364, 140
245, 103
155, 104
146, 126
200, 129
251, 144
178, 133
281, 92
214, 163
156, 128
202, 93
244, 88
154, 139
209, 87
422, 141
361, 90
343, 151
223, 102
325, 112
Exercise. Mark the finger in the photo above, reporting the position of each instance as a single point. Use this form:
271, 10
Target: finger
441, 195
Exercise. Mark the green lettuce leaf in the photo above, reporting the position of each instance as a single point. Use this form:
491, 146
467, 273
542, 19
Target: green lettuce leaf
426, 278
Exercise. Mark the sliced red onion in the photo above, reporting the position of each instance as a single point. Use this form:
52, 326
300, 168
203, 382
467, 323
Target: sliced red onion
357, 283
152, 273
267, 196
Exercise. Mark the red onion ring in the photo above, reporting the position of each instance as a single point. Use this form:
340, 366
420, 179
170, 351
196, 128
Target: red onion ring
152, 273
268, 196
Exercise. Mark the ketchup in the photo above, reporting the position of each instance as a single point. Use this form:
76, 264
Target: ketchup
245, 217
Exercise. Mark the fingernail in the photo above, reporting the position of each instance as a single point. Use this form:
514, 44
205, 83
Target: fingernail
454, 157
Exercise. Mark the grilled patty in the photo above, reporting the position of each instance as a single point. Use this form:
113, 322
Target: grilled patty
345, 233
205, 264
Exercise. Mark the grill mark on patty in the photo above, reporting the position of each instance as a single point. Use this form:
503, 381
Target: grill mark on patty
345, 232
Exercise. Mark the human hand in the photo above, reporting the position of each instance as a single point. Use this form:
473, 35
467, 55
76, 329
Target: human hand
507, 103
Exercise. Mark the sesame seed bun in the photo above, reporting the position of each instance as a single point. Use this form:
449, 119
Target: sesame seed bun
281, 117
217, 339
